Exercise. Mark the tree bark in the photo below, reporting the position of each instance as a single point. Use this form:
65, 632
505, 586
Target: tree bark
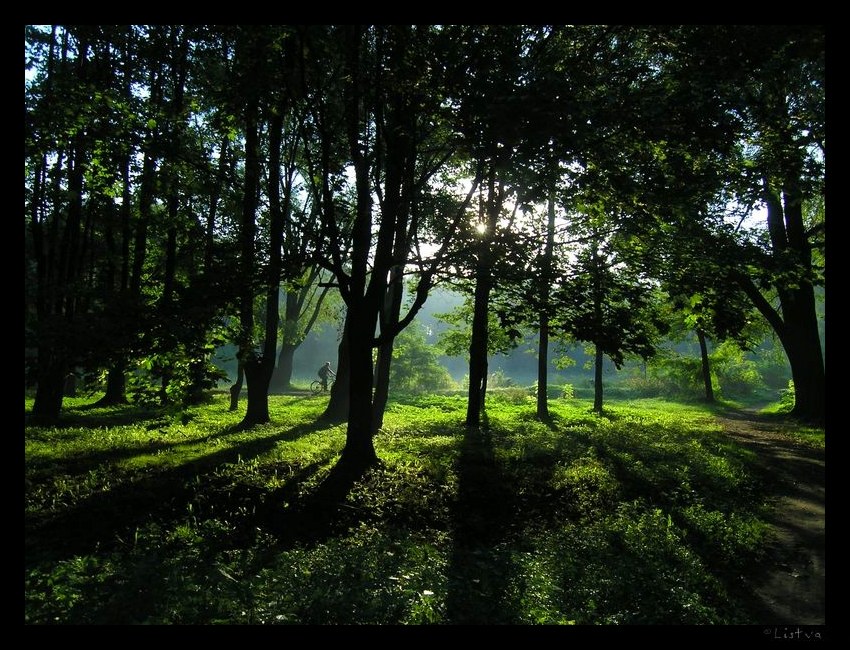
258, 370
236, 387
281, 380
338, 404
797, 326
543, 342
248, 231
359, 450
706, 369
57, 290
116, 386
597, 380
391, 311
478, 345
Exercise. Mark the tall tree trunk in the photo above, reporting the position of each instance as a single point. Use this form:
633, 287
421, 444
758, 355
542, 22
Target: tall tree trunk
545, 289
478, 350
800, 315
246, 352
258, 369
116, 385
337, 408
359, 450
297, 304
116, 380
797, 327
706, 369
173, 202
165, 304
597, 380
281, 380
236, 387
478, 345
598, 296
390, 315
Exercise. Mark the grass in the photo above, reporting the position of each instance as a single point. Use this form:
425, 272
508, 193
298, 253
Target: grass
646, 514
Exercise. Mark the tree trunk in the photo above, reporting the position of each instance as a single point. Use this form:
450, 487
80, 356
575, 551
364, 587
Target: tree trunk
598, 296
165, 304
248, 229
281, 380
258, 370
52, 370
257, 375
478, 353
337, 408
706, 369
236, 387
797, 327
543, 370
116, 386
597, 380
804, 354
359, 451
543, 343
391, 311
478, 345
800, 315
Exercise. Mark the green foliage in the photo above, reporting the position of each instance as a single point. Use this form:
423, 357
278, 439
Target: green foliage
454, 341
737, 375
786, 397
187, 377
165, 516
415, 364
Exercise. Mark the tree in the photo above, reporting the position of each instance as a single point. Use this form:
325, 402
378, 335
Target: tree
415, 366
755, 96
384, 117
304, 299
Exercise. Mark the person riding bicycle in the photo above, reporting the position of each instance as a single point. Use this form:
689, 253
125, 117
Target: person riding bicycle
324, 371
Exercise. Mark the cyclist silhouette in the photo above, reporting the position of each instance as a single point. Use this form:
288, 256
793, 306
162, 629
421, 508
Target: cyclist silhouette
324, 371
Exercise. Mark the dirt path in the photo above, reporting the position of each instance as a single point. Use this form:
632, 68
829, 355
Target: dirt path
792, 591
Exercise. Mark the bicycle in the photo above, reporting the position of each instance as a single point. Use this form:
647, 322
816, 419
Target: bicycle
316, 386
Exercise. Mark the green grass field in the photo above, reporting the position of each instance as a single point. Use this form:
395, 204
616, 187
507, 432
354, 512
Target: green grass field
645, 515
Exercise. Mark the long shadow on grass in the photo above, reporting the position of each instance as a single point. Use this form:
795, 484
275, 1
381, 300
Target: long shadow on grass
294, 517
481, 570
85, 461
98, 520
112, 416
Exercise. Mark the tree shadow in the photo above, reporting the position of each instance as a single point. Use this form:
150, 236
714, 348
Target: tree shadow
481, 570
90, 460
295, 517
98, 520
116, 416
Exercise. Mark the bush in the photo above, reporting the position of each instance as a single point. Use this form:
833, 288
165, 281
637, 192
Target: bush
786, 396
415, 365
737, 375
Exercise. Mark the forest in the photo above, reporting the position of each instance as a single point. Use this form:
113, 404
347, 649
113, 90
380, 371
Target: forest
569, 279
